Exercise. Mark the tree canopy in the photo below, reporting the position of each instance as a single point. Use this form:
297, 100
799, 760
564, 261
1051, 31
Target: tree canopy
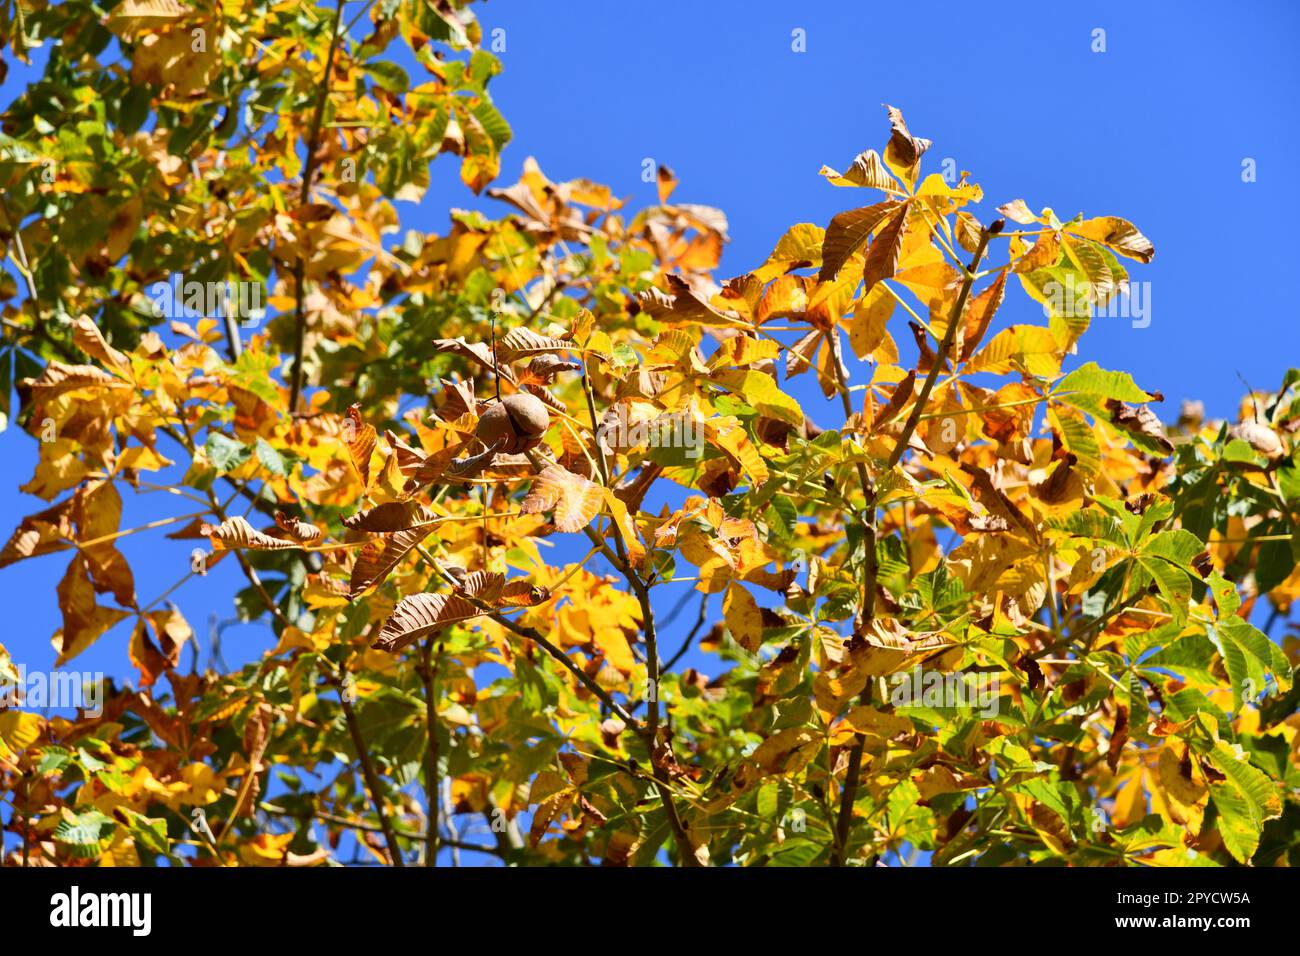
995, 612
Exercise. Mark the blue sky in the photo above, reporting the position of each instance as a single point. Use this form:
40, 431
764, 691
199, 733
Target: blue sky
1155, 128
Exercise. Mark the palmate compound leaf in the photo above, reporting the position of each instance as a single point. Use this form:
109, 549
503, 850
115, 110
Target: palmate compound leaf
798, 505
422, 614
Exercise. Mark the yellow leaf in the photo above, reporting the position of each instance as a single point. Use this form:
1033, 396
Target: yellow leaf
744, 619
18, 731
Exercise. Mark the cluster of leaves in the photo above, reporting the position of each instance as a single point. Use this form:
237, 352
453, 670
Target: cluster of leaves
422, 421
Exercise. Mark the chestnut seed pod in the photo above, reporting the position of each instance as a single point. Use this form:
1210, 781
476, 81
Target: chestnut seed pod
517, 421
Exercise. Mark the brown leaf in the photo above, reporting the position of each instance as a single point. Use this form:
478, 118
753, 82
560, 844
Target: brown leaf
1018, 211
475, 352
88, 338
1117, 738
235, 533
38, 534
979, 313
521, 342
574, 499
882, 255
1141, 420
59, 378
903, 153
1260, 437
422, 614
680, 304
361, 442
390, 516
666, 182
1033, 672
84, 622
867, 170
848, 232
543, 369
457, 400
486, 586
1117, 234
378, 558
298, 529
902, 394
996, 501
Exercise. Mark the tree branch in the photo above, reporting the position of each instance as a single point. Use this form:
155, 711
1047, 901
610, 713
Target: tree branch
308, 174
843, 821
429, 676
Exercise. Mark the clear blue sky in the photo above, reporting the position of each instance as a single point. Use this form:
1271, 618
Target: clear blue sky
1154, 129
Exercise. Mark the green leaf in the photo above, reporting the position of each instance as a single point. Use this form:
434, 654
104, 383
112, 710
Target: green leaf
1174, 584
1244, 801
1177, 547
761, 392
226, 454
87, 835
388, 76
493, 123
1248, 654
270, 459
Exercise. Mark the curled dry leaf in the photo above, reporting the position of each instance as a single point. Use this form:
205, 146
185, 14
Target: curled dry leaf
298, 529
903, 152
360, 438
1260, 437
235, 533
866, 170
1141, 423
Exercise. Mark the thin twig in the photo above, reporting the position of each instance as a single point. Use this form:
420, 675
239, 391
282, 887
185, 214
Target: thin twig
308, 174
